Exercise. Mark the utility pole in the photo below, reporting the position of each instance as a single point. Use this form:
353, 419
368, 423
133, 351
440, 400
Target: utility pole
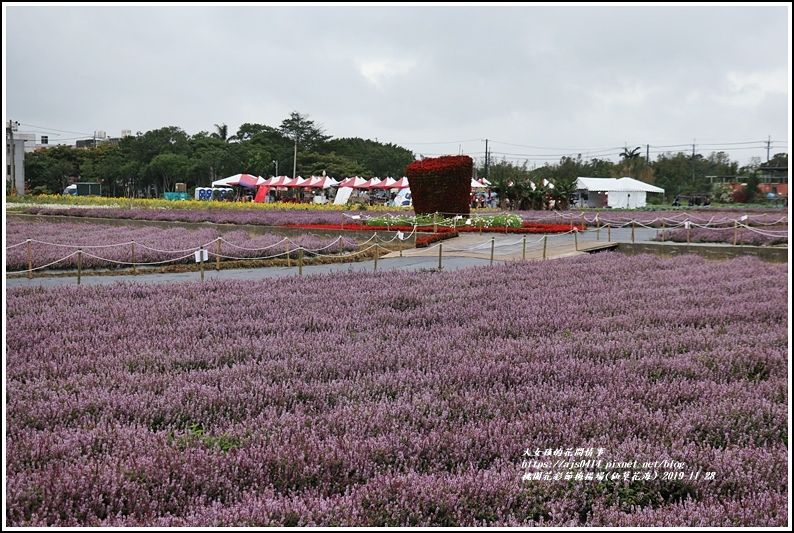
768, 146
295, 158
693, 162
486, 158
10, 127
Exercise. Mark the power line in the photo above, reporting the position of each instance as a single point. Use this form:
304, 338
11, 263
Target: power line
445, 142
53, 129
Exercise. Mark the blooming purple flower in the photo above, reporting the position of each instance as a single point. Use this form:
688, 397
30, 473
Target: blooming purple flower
406, 398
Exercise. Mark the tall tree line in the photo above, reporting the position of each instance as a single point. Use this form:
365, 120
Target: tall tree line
153, 162
677, 174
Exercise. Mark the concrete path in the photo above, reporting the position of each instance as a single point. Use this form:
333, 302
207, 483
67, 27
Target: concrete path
465, 251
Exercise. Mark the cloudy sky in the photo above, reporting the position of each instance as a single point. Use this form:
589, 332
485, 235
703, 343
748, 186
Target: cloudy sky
537, 81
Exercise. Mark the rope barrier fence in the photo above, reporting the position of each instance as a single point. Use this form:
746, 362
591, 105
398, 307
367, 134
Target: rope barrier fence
377, 245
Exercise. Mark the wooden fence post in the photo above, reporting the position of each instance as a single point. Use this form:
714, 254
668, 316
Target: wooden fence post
201, 262
30, 261
300, 261
218, 256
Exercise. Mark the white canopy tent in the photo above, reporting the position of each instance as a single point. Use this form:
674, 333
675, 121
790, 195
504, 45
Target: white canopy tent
623, 193
243, 180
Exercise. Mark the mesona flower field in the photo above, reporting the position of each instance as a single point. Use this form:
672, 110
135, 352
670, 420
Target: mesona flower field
54, 245
572, 392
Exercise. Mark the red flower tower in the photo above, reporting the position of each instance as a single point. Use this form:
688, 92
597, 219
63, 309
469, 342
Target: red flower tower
441, 184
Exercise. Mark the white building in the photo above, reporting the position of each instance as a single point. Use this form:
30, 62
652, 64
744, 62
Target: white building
623, 193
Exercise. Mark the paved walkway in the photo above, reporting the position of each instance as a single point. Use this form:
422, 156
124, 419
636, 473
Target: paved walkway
464, 251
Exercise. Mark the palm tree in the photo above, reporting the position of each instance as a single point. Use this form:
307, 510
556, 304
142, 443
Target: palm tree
564, 187
631, 154
222, 133
629, 157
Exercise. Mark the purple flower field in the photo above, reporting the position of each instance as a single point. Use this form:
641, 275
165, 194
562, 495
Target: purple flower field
747, 236
55, 244
571, 392
723, 217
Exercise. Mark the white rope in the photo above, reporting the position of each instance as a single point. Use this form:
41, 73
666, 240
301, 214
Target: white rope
77, 245
335, 241
767, 233
282, 241
257, 258
139, 264
171, 251
45, 266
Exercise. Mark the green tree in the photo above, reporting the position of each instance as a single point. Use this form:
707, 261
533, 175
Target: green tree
597, 168
261, 147
564, 187
51, 170
751, 190
211, 159
144, 147
40, 173
336, 166
778, 160
507, 181
250, 131
629, 161
167, 170
538, 192
303, 132
378, 159
673, 173
221, 133
101, 165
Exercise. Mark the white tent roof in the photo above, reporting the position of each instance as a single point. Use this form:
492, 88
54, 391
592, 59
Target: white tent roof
614, 184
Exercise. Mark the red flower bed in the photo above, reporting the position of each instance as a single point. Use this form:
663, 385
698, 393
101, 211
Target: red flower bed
365, 227
526, 227
441, 184
426, 240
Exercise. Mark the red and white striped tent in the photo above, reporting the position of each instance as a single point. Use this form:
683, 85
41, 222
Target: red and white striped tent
277, 181
295, 182
388, 183
354, 182
314, 182
319, 182
371, 183
243, 180
401, 183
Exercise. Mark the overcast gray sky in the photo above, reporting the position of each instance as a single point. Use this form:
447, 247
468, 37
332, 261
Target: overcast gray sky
538, 81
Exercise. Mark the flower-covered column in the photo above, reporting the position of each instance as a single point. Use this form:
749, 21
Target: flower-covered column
441, 184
